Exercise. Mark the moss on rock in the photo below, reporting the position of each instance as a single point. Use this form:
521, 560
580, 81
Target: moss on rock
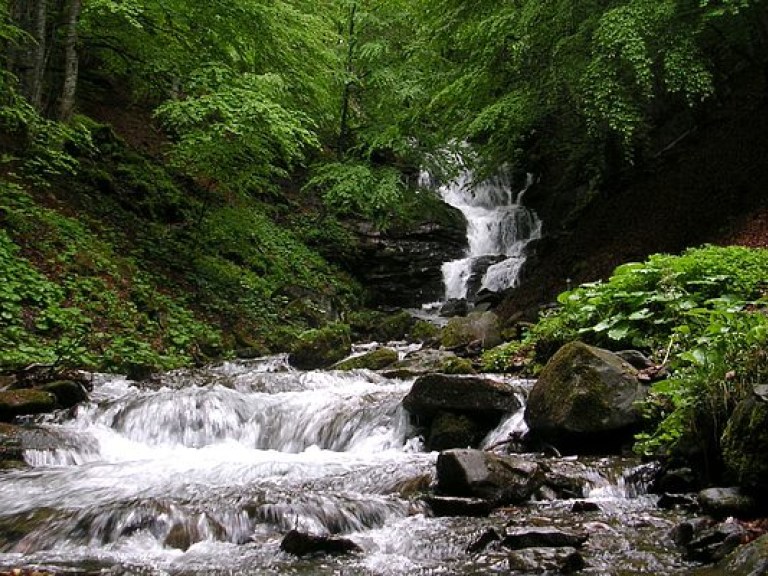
23, 402
375, 360
745, 441
321, 347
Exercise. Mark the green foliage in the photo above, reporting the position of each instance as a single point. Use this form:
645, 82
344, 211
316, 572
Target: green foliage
512, 356
665, 301
355, 188
704, 314
81, 310
694, 405
235, 130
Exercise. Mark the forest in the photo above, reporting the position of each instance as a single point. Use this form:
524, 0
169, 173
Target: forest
185, 181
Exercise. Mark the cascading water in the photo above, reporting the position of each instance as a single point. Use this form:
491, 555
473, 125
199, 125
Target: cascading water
499, 228
203, 473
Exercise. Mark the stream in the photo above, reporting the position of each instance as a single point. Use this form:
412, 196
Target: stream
204, 471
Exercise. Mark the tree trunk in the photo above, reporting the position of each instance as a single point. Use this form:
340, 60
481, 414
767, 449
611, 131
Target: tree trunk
27, 59
71, 62
347, 94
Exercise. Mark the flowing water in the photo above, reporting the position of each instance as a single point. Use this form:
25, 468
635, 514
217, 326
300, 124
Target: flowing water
499, 228
203, 472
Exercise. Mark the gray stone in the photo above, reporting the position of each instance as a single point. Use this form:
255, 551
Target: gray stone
302, 544
715, 543
745, 441
733, 501
547, 560
455, 506
748, 560
433, 393
585, 401
477, 474
543, 537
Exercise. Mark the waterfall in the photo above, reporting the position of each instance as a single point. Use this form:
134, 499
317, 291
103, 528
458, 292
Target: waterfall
499, 229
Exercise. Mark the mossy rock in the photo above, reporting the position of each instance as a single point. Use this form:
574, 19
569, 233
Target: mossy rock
370, 325
482, 326
745, 441
451, 430
456, 365
67, 392
321, 347
375, 360
585, 400
424, 331
24, 402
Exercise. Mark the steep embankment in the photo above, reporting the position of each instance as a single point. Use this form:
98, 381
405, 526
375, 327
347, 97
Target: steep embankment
117, 263
707, 187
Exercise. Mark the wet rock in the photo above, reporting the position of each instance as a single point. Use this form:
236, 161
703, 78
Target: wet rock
549, 560
67, 392
403, 265
583, 506
482, 327
457, 411
375, 360
483, 541
542, 538
745, 441
748, 560
676, 481
476, 474
321, 347
585, 401
453, 506
419, 363
684, 533
411, 486
715, 543
24, 402
673, 501
302, 544
433, 393
11, 449
454, 307
181, 537
567, 479
477, 270
724, 502
451, 430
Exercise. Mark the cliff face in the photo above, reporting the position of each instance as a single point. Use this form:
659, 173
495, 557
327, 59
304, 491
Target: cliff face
708, 186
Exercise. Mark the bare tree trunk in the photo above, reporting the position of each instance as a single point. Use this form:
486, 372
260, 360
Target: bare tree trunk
71, 62
27, 59
346, 96
40, 15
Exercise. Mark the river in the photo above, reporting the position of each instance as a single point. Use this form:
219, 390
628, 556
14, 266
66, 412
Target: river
202, 472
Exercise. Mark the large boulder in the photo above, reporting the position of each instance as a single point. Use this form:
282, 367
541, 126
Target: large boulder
321, 347
433, 393
458, 411
749, 560
585, 401
745, 441
477, 474
374, 360
25, 402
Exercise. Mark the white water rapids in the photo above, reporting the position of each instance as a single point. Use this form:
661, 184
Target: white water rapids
204, 472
